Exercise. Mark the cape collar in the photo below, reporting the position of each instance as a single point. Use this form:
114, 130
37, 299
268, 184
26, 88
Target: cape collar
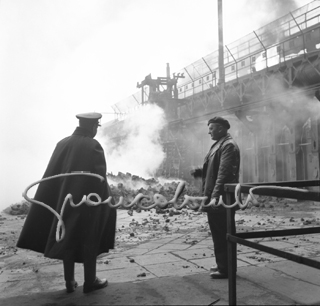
82, 132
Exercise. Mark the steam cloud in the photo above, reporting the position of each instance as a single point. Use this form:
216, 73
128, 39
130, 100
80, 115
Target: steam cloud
139, 152
294, 107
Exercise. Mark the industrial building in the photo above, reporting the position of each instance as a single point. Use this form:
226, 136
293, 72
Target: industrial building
270, 93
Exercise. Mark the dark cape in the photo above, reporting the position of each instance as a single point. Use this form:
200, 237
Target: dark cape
88, 228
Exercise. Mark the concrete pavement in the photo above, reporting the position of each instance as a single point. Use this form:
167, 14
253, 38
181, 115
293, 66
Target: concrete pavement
170, 269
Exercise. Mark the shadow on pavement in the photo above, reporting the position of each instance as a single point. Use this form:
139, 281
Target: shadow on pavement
197, 289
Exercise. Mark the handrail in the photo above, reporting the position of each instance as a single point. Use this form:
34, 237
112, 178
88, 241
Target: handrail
243, 48
233, 237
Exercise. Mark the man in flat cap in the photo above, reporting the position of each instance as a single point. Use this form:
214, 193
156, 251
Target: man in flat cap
221, 166
89, 230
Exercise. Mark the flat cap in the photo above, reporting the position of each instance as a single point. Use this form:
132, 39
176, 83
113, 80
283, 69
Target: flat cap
225, 123
89, 116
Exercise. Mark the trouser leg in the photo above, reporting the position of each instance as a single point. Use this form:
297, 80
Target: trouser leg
218, 228
89, 264
68, 267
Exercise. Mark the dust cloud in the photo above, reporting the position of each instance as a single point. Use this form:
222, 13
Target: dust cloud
138, 150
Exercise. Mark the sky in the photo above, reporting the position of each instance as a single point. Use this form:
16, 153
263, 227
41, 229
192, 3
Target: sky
64, 57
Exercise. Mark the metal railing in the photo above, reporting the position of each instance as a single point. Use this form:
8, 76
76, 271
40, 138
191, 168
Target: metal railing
272, 44
233, 237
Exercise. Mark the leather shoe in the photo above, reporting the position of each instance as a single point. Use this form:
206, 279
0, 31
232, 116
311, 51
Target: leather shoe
218, 275
71, 286
97, 284
214, 269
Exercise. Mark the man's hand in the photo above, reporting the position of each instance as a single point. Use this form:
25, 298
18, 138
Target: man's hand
196, 172
215, 200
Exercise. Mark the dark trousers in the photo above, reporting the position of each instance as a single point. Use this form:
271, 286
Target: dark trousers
218, 227
89, 265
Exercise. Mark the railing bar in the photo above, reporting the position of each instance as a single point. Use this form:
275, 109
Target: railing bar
279, 233
309, 183
293, 257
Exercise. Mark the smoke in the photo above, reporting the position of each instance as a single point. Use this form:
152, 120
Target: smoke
271, 9
279, 8
293, 104
139, 151
283, 108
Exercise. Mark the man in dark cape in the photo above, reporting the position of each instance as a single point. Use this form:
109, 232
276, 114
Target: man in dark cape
89, 230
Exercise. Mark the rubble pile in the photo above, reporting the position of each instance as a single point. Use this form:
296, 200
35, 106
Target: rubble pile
128, 186
16, 209
152, 224
155, 222
269, 213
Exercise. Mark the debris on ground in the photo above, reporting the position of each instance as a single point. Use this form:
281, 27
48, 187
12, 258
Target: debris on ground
271, 213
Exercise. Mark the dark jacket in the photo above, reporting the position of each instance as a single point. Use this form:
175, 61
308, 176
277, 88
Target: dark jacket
221, 166
87, 227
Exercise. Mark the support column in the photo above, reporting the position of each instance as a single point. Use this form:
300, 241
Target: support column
232, 256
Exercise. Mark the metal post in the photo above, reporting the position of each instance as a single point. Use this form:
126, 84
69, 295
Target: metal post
207, 65
235, 61
136, 98
232, 255
303, 38
221, 46
188, 74
142, 95
265, 50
